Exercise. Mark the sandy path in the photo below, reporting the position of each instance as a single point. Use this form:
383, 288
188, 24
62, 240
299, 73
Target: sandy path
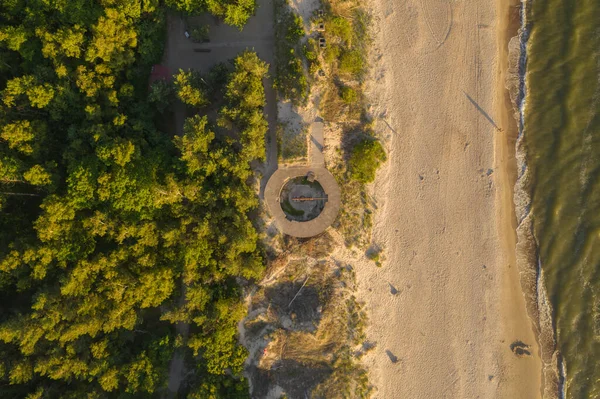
445, 216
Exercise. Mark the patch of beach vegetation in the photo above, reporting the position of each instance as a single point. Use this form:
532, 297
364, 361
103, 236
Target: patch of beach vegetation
335, 54
306, 330
305, 326
291, 143
365, 159
292, 132
341, 52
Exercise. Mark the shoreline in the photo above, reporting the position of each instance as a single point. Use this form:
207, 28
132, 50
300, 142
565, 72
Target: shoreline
509, 28
539, 309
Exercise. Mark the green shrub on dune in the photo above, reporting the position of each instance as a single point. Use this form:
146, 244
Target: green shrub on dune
352, 62
340, 27
349, 95
365, 159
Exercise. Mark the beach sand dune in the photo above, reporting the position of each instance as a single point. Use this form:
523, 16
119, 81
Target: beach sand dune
445, 214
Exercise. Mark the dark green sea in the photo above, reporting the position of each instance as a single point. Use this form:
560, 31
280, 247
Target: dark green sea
561, 143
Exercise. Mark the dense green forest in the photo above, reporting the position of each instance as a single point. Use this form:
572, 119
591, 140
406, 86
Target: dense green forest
111, 230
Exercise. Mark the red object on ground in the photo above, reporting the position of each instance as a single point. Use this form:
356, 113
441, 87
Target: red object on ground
160, 72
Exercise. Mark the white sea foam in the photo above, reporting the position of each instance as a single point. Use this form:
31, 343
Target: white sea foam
539, 307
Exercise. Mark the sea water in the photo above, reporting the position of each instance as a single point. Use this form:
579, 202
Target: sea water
561, 142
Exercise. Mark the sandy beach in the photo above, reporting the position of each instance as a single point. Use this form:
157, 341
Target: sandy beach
447, 304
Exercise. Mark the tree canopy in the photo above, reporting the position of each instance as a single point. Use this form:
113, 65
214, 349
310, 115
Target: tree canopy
107, 222
233, 12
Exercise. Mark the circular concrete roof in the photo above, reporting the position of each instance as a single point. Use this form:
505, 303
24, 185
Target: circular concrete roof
312, 227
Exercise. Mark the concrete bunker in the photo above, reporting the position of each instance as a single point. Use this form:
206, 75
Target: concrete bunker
304, 200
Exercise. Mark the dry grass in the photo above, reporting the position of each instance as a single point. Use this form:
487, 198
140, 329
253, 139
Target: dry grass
304, 348
332, 106
312, 323
355, 218
292, 143
335, 109
315, 247
346, 381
